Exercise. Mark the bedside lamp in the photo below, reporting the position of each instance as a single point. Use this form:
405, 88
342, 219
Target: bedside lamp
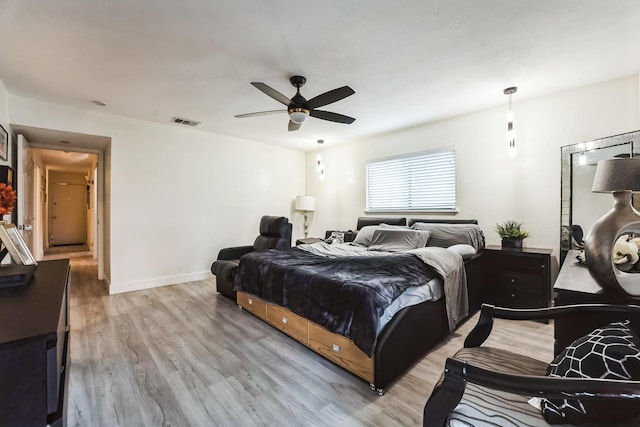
620, 177
305, 204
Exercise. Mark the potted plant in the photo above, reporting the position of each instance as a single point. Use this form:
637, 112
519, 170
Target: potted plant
512, 234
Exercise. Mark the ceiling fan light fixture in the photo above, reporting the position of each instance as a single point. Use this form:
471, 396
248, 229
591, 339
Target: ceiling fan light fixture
298, 115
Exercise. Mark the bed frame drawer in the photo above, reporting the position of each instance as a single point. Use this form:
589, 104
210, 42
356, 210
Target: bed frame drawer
253, 305
289, 323
341, 351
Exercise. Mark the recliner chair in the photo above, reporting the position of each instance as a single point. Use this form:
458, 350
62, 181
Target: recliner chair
275, 233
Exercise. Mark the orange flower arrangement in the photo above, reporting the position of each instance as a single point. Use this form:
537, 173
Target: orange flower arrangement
7, 198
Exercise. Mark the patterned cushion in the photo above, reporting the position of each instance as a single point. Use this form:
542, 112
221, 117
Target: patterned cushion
609, 352
482, 406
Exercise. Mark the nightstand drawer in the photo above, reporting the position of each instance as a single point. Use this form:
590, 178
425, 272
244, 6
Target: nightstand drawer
524, 299
512, 262
253, 305
288, 322
341, 351
519, 280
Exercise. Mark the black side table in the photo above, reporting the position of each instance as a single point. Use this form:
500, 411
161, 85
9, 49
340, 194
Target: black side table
517, 278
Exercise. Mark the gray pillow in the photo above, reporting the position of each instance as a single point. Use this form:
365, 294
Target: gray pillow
401, 227
445, 235
365, 234
396, 240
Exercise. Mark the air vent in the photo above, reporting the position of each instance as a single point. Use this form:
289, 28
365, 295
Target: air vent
185, 122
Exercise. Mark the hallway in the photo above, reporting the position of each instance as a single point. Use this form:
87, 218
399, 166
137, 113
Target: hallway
71, 251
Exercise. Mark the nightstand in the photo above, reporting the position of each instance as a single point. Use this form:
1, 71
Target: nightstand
517, 278
308, 240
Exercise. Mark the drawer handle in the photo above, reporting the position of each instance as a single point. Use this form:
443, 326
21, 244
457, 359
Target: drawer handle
250, 301
513, 295
513, 280
284, 320
336, 348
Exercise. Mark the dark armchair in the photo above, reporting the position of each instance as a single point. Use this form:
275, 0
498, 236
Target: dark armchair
491, 386
275, 232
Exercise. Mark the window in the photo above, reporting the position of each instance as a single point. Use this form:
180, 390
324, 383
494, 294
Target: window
423, 181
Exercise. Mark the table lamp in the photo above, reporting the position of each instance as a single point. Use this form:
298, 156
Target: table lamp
306, 204
621, 177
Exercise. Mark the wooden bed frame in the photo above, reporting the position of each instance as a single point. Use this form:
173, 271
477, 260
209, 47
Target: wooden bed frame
408, 336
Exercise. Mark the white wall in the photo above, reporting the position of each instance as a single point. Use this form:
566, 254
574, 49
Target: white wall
491, 187
178, 195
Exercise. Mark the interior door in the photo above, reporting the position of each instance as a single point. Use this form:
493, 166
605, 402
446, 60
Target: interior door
68, 216
25, 202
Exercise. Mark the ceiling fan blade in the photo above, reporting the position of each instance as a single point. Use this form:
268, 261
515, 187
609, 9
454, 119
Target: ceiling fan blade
332, 117
330, 97
260, 113
294, 125
271, 92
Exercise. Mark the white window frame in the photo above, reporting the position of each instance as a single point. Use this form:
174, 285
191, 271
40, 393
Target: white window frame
404, 188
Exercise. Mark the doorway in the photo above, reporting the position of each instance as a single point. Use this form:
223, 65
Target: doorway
55, 154
68, 208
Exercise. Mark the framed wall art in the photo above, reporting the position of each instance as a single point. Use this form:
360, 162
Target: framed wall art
4, 143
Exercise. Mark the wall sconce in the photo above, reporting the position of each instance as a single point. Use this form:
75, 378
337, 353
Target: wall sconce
511, 137
319, 164
305, 204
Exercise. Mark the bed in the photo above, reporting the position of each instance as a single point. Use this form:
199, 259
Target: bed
374, 306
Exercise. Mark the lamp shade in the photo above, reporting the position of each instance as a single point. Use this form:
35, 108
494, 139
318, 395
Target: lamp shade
305, 203
617, 175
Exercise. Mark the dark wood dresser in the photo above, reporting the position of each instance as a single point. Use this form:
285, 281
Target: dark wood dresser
34, 348
575, 285
517, 278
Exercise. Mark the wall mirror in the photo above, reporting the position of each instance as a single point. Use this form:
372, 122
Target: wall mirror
579, 207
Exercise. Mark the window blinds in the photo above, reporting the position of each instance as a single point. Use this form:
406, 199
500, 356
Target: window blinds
423, 181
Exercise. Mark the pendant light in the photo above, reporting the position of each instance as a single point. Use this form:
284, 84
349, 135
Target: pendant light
319, 164
511, 137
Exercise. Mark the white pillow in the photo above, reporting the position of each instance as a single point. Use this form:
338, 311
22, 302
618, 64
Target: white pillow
465, 251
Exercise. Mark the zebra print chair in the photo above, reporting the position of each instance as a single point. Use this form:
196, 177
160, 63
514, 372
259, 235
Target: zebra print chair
484, 386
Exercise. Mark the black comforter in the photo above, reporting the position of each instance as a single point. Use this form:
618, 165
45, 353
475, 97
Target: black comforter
346, 295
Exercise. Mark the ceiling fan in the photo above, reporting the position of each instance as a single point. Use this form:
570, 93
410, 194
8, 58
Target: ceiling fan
299, 108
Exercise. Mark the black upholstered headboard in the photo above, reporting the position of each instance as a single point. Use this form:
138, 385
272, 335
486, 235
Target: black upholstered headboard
372, 220
442, 221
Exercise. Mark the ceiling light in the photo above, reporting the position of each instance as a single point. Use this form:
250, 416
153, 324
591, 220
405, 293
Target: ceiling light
298, 115
582, 159
511, 137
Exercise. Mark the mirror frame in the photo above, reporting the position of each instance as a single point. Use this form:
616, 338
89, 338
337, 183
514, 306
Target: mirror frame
566, 178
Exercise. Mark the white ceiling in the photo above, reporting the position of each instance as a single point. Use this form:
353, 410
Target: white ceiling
409, 61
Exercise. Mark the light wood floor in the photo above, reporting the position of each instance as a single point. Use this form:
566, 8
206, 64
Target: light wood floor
183, 355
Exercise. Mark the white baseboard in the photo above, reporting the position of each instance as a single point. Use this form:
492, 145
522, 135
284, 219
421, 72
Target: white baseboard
118, 288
